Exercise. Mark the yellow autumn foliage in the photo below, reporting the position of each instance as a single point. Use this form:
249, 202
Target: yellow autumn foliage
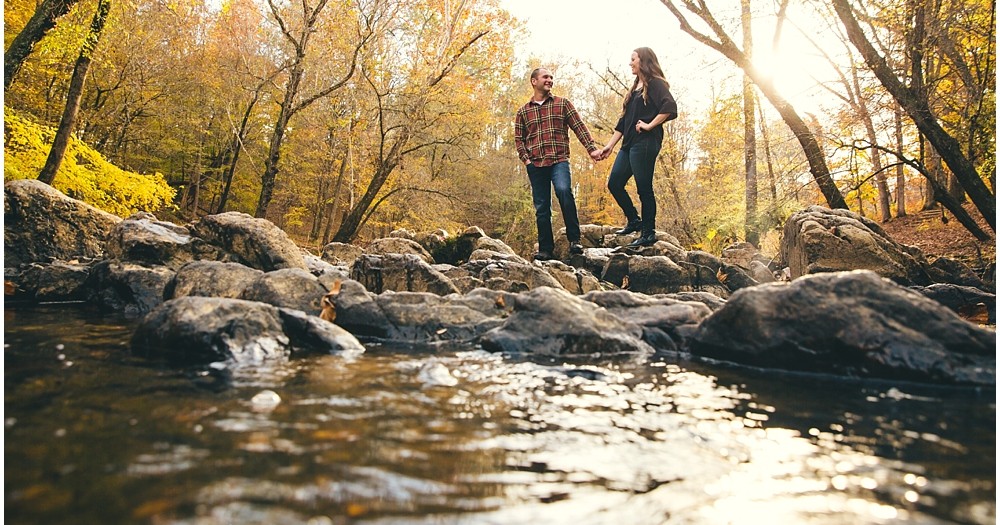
84, 174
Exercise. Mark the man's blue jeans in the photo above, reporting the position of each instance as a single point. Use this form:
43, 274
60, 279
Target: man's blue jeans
543, 180
638, 160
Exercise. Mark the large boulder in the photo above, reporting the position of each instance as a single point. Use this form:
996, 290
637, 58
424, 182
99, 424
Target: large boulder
552, 323
850, 323
200, 330
41, 224
819, 239
59, 281
257, 243
143, 239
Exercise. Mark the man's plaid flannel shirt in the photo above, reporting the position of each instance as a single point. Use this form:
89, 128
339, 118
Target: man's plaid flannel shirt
541, 131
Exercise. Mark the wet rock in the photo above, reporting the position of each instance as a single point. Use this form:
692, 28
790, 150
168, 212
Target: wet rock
667, 323
257, 243
59, 281
289, 288
143, 239
552, 323
127, 287
211, 279
818, 240
400, 273
199, 330
850, 323
41, 224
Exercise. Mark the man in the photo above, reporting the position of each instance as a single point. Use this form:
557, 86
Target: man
541, 135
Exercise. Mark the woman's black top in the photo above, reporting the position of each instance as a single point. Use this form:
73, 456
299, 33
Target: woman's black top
660, 101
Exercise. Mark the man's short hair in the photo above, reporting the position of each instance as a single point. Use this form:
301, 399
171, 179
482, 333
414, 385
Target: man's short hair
534, 72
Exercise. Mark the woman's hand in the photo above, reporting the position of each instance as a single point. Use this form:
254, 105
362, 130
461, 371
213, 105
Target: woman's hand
641, 126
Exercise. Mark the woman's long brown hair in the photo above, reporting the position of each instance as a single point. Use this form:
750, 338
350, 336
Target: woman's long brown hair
649, 67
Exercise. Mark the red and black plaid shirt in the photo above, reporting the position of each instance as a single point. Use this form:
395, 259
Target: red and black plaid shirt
541, 131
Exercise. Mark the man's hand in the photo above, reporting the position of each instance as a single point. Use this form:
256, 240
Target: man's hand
597, 155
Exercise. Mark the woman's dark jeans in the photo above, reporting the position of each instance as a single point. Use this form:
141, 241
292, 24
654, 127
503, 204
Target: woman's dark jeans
542, 181
636, 159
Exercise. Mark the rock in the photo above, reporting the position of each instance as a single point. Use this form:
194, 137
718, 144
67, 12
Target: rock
257, 243
575, 281
400, 273
949, 271
199, 330
819, 240
849, 323
419, 317
292, 288
532, 275
211, 279
41, 224
552, 323
127, 287
657, 274
761, 273
341, 253
399, 245
325, 271
739, 254
970, 303
667, 323
59, 281
143, 239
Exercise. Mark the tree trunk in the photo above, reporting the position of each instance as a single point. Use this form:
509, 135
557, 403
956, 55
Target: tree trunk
749, 135
40, 23
900, 170
810, 146
237, 148
75, 94
918, 109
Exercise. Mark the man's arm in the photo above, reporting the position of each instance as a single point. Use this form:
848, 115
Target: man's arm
579, 128
520, 129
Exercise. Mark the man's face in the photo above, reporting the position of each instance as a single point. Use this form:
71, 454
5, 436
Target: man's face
543, 80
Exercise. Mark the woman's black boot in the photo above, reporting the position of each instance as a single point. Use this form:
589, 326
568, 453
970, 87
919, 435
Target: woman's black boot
632, 227
647, 239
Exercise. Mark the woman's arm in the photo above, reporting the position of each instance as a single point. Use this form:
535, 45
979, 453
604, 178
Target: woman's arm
606, 150
657, 120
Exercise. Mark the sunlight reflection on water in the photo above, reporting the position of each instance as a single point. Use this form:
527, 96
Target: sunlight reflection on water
397, 436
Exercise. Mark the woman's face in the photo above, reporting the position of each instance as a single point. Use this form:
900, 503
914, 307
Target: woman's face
634, 63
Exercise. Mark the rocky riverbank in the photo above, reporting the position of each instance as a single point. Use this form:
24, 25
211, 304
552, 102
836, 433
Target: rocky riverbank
841, 297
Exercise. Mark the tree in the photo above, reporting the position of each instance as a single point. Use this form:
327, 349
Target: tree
298, 37
916, 106
40, 23
75, 93
725, 45
749, 135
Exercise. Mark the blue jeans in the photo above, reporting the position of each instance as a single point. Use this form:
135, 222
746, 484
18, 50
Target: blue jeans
636, 159
542, 181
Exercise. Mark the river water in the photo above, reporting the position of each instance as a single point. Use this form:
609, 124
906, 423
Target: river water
404, 435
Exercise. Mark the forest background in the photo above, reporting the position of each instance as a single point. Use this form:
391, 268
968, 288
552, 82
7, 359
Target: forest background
342, 120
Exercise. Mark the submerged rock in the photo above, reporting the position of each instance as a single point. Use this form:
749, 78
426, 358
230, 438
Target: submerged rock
850, 323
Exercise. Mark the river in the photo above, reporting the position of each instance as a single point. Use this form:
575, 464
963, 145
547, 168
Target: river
411, 435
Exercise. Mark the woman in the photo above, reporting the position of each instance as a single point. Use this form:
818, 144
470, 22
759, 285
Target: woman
646, 107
